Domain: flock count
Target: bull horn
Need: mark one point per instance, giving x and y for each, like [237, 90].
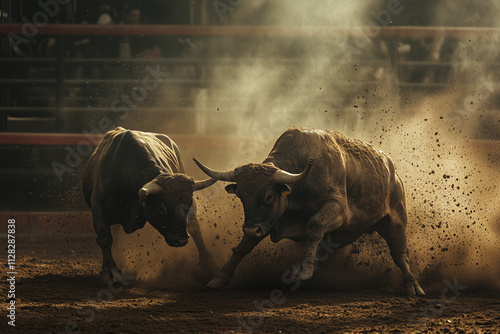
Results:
[282, 176]
[199, 185]
[150, 188]
[218, 175]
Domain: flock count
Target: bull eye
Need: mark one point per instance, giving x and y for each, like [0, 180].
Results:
[268, 198]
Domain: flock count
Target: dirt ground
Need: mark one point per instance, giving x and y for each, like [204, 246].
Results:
[59, 291]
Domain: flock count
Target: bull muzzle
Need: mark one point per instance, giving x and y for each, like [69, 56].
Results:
[176, 242]
[181, 243]
[254, 232]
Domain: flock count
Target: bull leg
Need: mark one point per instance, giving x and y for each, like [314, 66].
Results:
[328, 218]
[393, 229]
[206, 263]
[223, 277]
[102, 228]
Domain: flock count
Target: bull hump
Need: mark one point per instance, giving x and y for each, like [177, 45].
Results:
[133, 155]
[152, 148]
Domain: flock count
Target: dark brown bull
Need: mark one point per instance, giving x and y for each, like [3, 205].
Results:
[317, 184]
[133, 177]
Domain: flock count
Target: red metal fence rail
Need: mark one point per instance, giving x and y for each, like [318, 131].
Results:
[208, 30]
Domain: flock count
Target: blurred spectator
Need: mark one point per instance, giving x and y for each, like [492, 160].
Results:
[132, 15]
[106, 13]
[102, 13]
[137, 46]
[102, 47]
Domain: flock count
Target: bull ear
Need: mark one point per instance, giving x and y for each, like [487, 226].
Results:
[232, 189]
[285, 190]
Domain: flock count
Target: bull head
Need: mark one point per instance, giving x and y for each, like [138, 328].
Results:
[166, 201]
[263, 190]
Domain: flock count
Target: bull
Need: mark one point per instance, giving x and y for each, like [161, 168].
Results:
[318, 185]
[135, 177]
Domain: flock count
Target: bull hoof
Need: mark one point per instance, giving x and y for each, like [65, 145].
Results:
[413, 289]
[303, 271]
[220, 281]
[305, 275]
[111, 276]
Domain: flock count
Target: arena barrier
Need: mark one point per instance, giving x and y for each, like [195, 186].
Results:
[241, 31]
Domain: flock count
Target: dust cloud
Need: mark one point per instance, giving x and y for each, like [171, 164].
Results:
[441, 142]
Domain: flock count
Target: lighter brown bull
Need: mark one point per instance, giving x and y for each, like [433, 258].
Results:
[318, 184]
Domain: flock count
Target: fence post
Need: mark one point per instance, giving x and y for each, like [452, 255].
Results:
[60, 76]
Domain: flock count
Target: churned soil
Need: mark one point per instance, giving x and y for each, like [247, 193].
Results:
[58, 290]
